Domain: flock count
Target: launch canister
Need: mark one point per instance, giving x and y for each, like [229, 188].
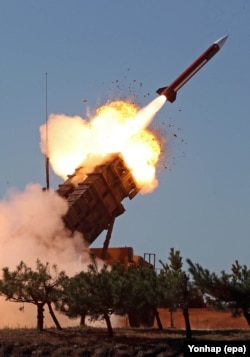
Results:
[170, 92]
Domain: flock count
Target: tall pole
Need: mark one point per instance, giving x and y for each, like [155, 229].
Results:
[47, 137]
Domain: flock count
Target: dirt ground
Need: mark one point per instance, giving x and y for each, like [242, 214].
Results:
[200, 319]
[205, 318]
[94, 342]
[127, 342]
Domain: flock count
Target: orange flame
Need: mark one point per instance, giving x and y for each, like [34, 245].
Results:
[116, 127]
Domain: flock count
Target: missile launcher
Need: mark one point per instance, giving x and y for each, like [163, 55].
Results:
[95, 201]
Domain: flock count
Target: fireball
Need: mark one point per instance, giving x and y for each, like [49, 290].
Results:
[117, 127]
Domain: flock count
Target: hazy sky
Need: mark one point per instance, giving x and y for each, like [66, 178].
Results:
[100, 50]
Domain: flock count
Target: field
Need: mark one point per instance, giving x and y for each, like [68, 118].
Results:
[81, 342]
[89, 341]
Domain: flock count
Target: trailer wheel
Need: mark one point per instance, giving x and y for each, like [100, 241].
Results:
[133, 318]
[146, 316]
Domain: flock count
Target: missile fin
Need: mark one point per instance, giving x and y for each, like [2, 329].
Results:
[171, 96]
[160, 90]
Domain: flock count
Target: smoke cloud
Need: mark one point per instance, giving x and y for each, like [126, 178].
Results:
[31, 228]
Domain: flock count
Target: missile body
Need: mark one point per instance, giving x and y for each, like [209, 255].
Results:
[170, 92]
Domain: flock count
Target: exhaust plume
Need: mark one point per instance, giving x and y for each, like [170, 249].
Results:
[116, 127]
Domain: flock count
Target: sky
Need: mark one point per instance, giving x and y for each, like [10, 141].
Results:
[95, 51]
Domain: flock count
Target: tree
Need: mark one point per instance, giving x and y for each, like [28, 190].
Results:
[144, 297]
[107, 292]
[75, 298]
[97, 292]
[231, 291]
[37, 287]
[178, 290]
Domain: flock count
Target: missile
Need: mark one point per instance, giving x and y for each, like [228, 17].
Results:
[170, 92]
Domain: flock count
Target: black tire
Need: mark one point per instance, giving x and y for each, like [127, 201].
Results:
[146, 316]
[133, 318]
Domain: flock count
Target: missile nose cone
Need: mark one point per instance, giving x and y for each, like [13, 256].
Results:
[220, 42]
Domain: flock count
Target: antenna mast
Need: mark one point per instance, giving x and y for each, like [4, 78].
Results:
[47, 138]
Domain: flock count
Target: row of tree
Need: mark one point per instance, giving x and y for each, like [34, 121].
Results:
[99, 293]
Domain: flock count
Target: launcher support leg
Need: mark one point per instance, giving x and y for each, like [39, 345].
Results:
[107, 239]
